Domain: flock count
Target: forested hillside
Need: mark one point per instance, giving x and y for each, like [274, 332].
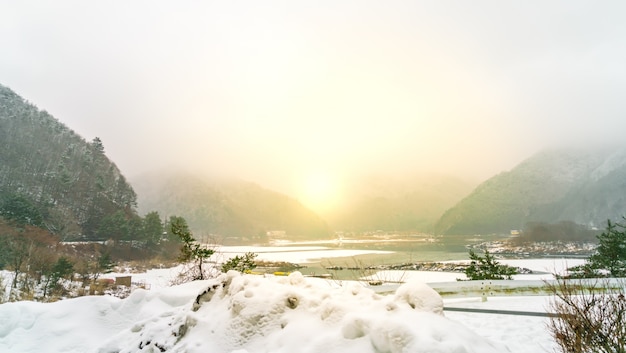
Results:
[52, 178]
[584, 186]
[227, 208]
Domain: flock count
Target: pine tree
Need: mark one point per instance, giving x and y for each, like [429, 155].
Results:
[243, 264]
[152, 228]
[105, 264]
[487, 268]
[62, 268]
[611, 252]
[190, 251]
[97, 145]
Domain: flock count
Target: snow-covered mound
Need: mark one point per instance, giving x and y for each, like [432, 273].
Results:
[242, 314]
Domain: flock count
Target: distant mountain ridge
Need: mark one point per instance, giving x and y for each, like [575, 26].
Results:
[587, 186]
[409, 203]
[227, 208]
[53, 178]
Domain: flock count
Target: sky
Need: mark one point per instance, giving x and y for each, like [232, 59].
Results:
[303, 97]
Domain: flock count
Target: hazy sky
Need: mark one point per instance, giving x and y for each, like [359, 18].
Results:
[299, 96]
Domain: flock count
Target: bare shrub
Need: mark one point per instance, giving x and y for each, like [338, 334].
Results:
[2, 289]
[591, 316]
[370, 274]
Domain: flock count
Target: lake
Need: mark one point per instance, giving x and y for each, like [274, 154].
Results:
[362, 252]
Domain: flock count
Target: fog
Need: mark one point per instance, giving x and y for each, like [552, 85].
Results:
[303, 95]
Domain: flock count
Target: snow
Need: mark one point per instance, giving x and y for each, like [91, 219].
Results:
[243, 314]
[248, 313]
[522, 334]
[549, 266]
[543, 269]
[423, 276]
[253, 313]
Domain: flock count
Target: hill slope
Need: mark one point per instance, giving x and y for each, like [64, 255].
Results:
[393, 204]
[51, 177]
[584, 186]
[227, 208]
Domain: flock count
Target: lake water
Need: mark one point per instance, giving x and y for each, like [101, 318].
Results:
[362, 252]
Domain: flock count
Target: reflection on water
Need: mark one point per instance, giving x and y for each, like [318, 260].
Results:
[419, 248]
[404, 249]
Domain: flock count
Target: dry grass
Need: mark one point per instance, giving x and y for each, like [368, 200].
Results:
[591, 316]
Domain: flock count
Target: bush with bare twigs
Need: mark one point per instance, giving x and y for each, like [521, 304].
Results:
[591, 316]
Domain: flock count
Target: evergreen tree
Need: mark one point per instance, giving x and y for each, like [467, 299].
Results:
[190, 250]
[487, 268]
[611, 252]
[20, 210]
[63, 268]
[114, 226]
[135, 228]
[152, 228]
[243, 264]
[104, 265]
[97, 145]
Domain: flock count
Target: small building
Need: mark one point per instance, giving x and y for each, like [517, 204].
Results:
[276, 233]
[123, 281]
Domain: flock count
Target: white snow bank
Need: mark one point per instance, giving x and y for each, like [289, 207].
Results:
[243, 314]
[544, 270]
[421, 276]
[551, 266]
[522, 334]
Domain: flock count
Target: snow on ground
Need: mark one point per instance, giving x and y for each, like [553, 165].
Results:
[549, 265]
[159, 278]
[243, 314]
[545, 265]
[249, 314]
[308, 254]
[544, 269]
[151, 279]
[522, 334]
[422, 276]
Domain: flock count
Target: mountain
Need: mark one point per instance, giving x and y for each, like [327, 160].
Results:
[586, 186]
[226, 208]
[53, 178]
[409, 203]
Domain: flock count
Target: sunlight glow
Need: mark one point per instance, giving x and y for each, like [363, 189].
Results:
[320, 191]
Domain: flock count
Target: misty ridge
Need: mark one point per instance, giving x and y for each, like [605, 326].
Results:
[243, 209]
[583, 186]
[71, 188]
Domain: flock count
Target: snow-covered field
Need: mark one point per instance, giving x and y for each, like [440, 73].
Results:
[275, 314]
[271, 314]
[521, 334]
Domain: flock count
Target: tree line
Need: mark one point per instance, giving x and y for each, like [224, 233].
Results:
[35, 256]
[43, 267]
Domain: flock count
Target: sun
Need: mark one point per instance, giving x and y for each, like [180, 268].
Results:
[320, 191]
